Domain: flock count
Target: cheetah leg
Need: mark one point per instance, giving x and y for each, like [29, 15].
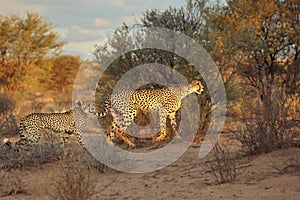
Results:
[119, 127]
[78, 134]
[29, 138]
[112, 133]
[162, 121]
[123, 137]
[172, 117]
[128, 117]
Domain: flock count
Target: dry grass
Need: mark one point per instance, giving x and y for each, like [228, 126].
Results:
[266, 127]
[20, 157]
[223, 165]
[8, 121]
[73, 180]
[12, 183]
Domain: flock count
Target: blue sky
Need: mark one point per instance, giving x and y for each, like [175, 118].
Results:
[85, 23]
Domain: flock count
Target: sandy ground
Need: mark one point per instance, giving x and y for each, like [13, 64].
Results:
[187, 178]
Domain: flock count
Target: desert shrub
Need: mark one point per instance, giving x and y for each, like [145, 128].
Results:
[266, 127]
[74, 180]
[223, 165]
[15, 157]
[12, 182]
[87, 159]
[8, 122]
[96, 164]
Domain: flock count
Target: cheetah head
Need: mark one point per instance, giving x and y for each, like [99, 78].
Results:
[87, 106]
[197, 86]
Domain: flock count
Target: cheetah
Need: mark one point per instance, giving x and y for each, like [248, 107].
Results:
[167, 101]
[70, 122]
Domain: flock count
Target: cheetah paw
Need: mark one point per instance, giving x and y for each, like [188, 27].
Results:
[131, 144]
[159, 138]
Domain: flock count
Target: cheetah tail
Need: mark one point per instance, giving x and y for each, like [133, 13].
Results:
[6, 142]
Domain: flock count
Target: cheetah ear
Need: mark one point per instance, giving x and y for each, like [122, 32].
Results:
[78, 102]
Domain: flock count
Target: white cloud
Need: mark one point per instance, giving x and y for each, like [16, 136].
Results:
[80, 48]
[78, 34]
[63, 32]
[18, 7]
[98, 22]
[117, 3]
[122, 4]
[131, 20]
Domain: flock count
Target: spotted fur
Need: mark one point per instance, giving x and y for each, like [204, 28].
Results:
[67, 123]
[166, 101]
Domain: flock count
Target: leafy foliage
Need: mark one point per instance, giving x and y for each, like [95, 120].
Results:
[259, 42]
[189, 20]
[63, 72]
[24, 42]
[261, 39]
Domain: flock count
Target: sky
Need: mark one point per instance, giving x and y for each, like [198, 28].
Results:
[85, 23]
